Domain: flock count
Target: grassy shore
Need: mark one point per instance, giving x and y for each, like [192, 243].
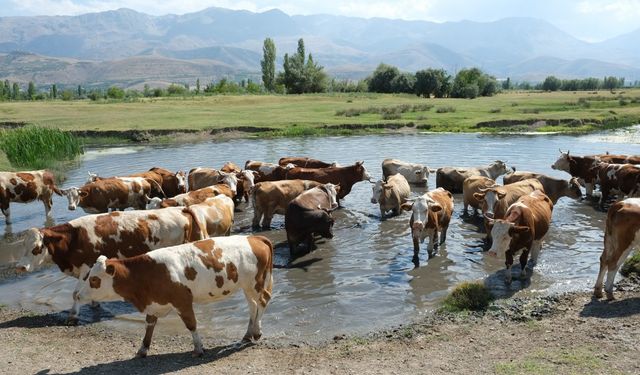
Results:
[339, 113]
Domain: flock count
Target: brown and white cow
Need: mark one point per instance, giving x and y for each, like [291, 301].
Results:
[191, 198]
[414, 173]
[75, 246]
[272, 197]
[174, 278]
[621, 238]
[230, 167]
[555, 188]
[621, 179]
[25, 187]
[305, 162]
[199, 178]
[390, 195]
[246, 180]
[581, 167]
[497, 199]
[345, 177]
[452, 178]
[309, 214]
[430, 217]
[116, 193]
[215, 215]
[472, 185]
[268, 171]
[167, 184]
[523, 229]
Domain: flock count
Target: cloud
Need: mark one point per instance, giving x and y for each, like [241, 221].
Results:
[620, 9]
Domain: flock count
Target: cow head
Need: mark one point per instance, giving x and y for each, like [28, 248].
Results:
[154, 203]
[74, 196]
[332, 191]
[420, 208]
[92, 177]
[230, 180]
[98, 284]
[422, 173]
[181, 177]
[574, 189]
[376, 191]
[497, 168]
[247, 178]
[325, 225]
[489, 196]
[563, 162]
[364, 175]
[36, 253]
[503, 232]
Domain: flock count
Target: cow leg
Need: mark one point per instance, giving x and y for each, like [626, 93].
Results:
[523, 263]
[433, 243]
[588, 186]
[75, 308]
[465, 211]
[416, 251]
[597, 289]
[47, 202]
[252, 329]
[605, 194]
[257, 214]
[508, 262]
[536, 246]
[614, 266]
[382, 212]
[443, 234]
[189, 319]
[146, 342]
[7, 214]
[268, 216]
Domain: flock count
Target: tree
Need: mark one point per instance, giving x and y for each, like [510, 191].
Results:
[470, 83]
[31, 91]
[79, 91]
[197, 86]
[115, 92]
[404, 83]
[434, 82]
[551, 83]
[315, 77]
[268, 64]
[67, 95]
[54, 91]
[380, 80]
[15, 92]
[7, 89]
[301, 75]
[506, 85]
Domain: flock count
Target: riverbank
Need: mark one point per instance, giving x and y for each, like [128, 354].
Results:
[536, 335]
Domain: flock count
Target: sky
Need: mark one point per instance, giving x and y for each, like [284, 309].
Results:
[590, 20]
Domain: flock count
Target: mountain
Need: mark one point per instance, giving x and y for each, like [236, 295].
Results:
[130, 47]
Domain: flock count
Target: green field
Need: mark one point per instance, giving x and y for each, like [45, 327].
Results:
[603, 108]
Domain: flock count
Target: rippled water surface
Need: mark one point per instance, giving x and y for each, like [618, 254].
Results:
[363, 279]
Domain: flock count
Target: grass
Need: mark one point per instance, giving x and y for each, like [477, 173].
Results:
[581, 360]
[281, 112]
[37, 147]
[631, 265]
[468, 296]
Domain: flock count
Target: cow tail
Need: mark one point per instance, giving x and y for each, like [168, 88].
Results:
[265, 294]
[157, 186]
[197, 231]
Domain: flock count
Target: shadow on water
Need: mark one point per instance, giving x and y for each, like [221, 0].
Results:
[161, 363]
[604, 309]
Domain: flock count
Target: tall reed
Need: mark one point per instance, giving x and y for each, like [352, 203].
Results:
[38, 147]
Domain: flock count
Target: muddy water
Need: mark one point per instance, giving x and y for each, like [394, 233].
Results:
[363, 279]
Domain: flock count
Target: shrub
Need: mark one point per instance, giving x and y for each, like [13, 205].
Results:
[445, 109]
[495, 110]
[468, 296]
[391, 116]
[38, 147]
[631, 265]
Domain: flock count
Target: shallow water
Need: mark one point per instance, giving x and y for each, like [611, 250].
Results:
[362, 279]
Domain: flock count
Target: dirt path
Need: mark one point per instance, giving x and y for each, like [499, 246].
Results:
[562, 335]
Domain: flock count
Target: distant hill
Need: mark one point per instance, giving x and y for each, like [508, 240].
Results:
[130, 47]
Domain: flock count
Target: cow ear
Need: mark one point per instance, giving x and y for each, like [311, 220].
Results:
[408, 206]
[518, 229]
[83, 193]
[435, 207]
[501, 194]
[360, 162]
[111, 269]
[479, 196]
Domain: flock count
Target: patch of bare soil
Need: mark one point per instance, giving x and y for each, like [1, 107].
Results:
[562, 334]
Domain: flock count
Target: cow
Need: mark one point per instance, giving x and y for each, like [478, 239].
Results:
[215, 215]
[390, 195]
[116, 193]
[621, 238]
[309, 214]
[230, 167]
[25, 187]
[74, 246]
[452, 178]
[345, 177]
[167, 184]
[413, 172]
[272, 197]
[524, 227]
[174, 278]
[581, 167]
[472, 185]
[305, 162]
[497, 199]
[430, 217]
[199, 178]
[190, 198]
[622, 179]
[268, 171]
[246, 180]
[555, 188]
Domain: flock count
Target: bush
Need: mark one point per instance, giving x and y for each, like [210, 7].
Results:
[38, 147]
[468, 296]
[631, 265]
[495, 110]
[391, 116]
[115, 92]
[445, 109]
[67, 95]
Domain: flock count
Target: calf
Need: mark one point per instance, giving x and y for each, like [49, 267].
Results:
[305, 162]
[555, 188]
[430, 216]
[190, 198]
[75, 246]
[413, 172]
[471, 186]
[309, 214]
[273, 197]
[345, 177]
[199, 178]
[622, 179]
[621, 238]
[390, 195]
[524, 227]
[174, 278]
[25, 187]
[452, 178]
[110, 193]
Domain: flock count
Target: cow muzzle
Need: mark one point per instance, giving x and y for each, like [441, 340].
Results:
[72, 208]
[22, 268]
[374, 201]
[417, 227]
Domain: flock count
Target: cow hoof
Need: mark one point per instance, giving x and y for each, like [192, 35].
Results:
[72, 320]
[597, 292]
[256, 336]
[197, 353]
[610, 296]
[142, 353]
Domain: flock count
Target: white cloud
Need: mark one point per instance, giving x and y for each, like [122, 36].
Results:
[620, 9]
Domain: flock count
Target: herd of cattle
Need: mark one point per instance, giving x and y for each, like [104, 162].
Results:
[175, 249]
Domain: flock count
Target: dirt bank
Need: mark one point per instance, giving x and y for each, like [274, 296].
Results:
[564, 334]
